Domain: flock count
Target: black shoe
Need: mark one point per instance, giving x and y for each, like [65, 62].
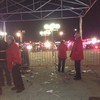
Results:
[76, 78]
[13, 88]
[19, 90]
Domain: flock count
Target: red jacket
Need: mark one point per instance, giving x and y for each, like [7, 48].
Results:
[62, 48]
[13, 55]
[77, 50]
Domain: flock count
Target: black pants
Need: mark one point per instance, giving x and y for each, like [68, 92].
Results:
[61, 64]
[78, 68]
[4, 69]
[17, 79]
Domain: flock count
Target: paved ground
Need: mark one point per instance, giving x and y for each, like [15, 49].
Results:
[45, 83]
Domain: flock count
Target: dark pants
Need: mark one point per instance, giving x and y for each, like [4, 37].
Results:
[61, 64]
[78, 68]
[3, 68]
[17, 79]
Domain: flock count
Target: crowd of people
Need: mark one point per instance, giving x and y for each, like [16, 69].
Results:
[10, 61]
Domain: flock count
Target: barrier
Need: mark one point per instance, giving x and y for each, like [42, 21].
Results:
[47, 58]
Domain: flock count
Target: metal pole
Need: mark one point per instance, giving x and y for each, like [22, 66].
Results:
[4, 29]
[80, 23]
[52, 44]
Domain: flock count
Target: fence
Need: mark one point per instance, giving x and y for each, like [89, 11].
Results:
[49, 58]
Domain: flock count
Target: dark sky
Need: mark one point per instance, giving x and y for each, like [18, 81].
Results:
[91, 26]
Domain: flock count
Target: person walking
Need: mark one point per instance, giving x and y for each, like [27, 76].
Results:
[77, 55]
[3, 64]
[62, 55]
[14, 63]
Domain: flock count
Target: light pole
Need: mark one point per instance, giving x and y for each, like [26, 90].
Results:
[52, 27]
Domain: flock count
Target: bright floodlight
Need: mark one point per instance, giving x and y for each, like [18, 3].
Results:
[3, 33]
[29, 47]
[45, 33]
[41, 33]
[47, 44]
[61, 33]
[18, 34]
[48, 33]
[94, 40]
[52, 26]
[75, 29]
[57, 26]
[46, 26]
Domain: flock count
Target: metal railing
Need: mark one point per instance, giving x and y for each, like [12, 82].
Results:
[47, 58]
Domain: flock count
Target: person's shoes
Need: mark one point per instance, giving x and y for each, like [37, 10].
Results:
[13, 88]
[19, 90]
[76, 78]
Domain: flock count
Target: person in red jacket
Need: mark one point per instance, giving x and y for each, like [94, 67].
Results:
[14, 63]
[77, 55]
[62, 55]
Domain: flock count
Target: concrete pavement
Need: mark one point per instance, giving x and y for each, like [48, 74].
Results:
[45, 83]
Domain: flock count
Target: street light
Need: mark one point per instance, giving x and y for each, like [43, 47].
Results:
[19, 35]
[45, 33]
[61, 33]
[75, 30]
[3, 34]
[52, 27]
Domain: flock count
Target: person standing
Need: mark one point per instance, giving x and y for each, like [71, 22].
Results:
[77, 55]
[62, 55]
[14, 63]
[3, 63]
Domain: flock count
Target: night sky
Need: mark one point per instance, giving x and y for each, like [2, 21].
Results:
[91, 26]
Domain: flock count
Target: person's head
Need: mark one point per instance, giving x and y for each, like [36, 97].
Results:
[10, 39]
[77, 35]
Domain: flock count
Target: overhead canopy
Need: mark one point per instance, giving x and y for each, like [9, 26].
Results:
[25, 10]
